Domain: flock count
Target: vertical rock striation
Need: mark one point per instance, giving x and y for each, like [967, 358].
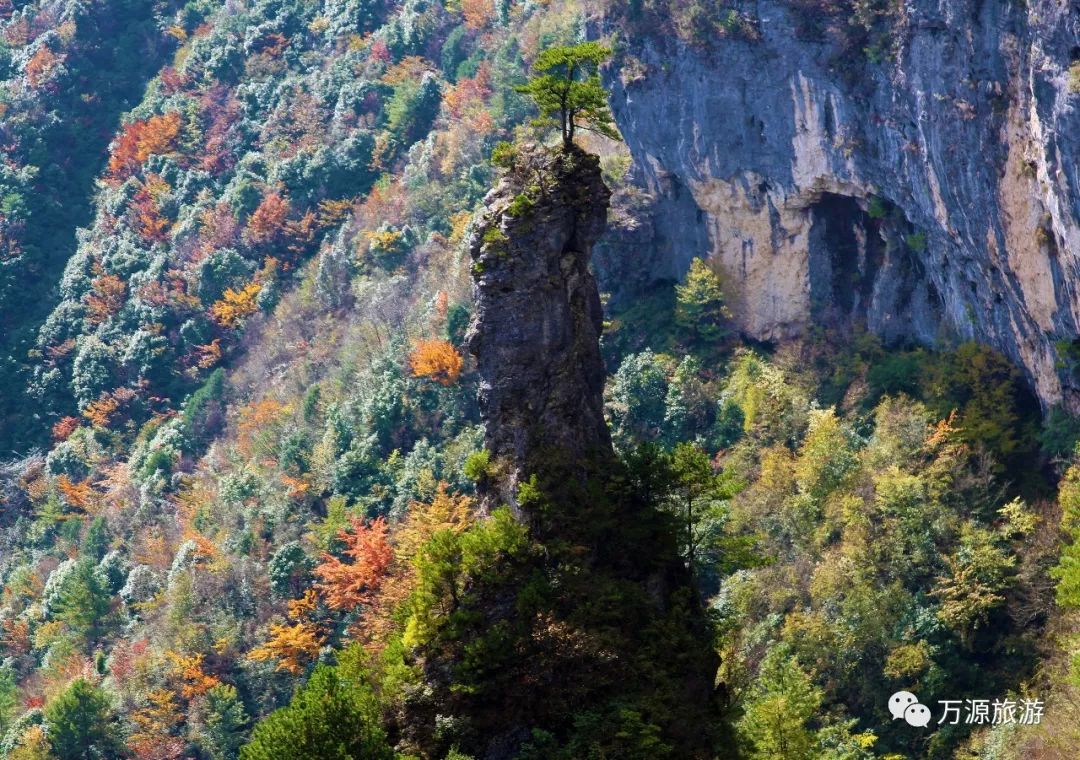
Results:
[538, 316]
[929, 191]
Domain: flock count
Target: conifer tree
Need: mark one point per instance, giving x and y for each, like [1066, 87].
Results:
[700, 306]
[568, 91]
[80, 723]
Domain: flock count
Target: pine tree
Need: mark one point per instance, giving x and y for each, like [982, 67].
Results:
[782, 702]
[695, 483]
[9, 697]
[700, 308]
[567, 86]
[226, 723]
[83, 601]
[334, 716]
[80, 725]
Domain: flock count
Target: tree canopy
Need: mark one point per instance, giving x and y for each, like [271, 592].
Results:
[568, 91]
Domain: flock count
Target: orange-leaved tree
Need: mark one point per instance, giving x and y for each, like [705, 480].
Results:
[268, 220]
[437, 360]
[105, 299]
[446, 511]
[100, 412]
[294, 646]
[346, 584]
[188, 669]
[154, 724]
[235, 305]
[141, 139]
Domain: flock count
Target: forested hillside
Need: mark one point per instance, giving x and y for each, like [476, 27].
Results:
[68, 73]
[412, 379]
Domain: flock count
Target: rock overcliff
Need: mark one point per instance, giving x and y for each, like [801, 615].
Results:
[538, 316]
[928, 189]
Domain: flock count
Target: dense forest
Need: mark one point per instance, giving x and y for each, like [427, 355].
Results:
[359, 399]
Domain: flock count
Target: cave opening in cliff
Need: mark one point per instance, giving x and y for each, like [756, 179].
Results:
[845, 251]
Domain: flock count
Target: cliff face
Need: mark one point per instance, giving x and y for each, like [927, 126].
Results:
[933, 195]
[538, 316]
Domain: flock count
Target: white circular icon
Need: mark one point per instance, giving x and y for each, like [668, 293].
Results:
[901, 701]
[917, 715]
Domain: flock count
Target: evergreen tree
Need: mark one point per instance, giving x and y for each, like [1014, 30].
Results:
[334, 716]
[636, 399]
[567, 86]
[700, 308]
[80, 723]
[784, 700]
[695, 483]
[83, 601]
[226, 723]
[96, 542]
[9, 698]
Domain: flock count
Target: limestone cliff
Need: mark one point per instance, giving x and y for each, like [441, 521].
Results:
[929, 189]
[538, 317]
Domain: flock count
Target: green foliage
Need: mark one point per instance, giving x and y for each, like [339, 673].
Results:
[18, 729]
[104, 57]
[568, 92]
[1067, 570]
[520, 206]
[839, 536]
[981, 571]
[779, 709]
[289, 571]
[83, 600]
[226, 723]
[700, 309]
[9, 698]
[694, 483]
[876, 208]
[920, 563]
[636, 398]
[477, 466]
[916, 241]
[504, 154]
[413, 108]
[457, 323]
[80, 723]
[449, 563]
[1060, 433]
[994, 410]
[96, 542]
[335, 716]
[202, 413]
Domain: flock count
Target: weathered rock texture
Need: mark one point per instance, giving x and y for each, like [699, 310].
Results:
[932, 196]
[538, 316]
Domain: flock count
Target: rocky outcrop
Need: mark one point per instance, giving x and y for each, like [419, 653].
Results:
[538, 316]
[931, 194]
